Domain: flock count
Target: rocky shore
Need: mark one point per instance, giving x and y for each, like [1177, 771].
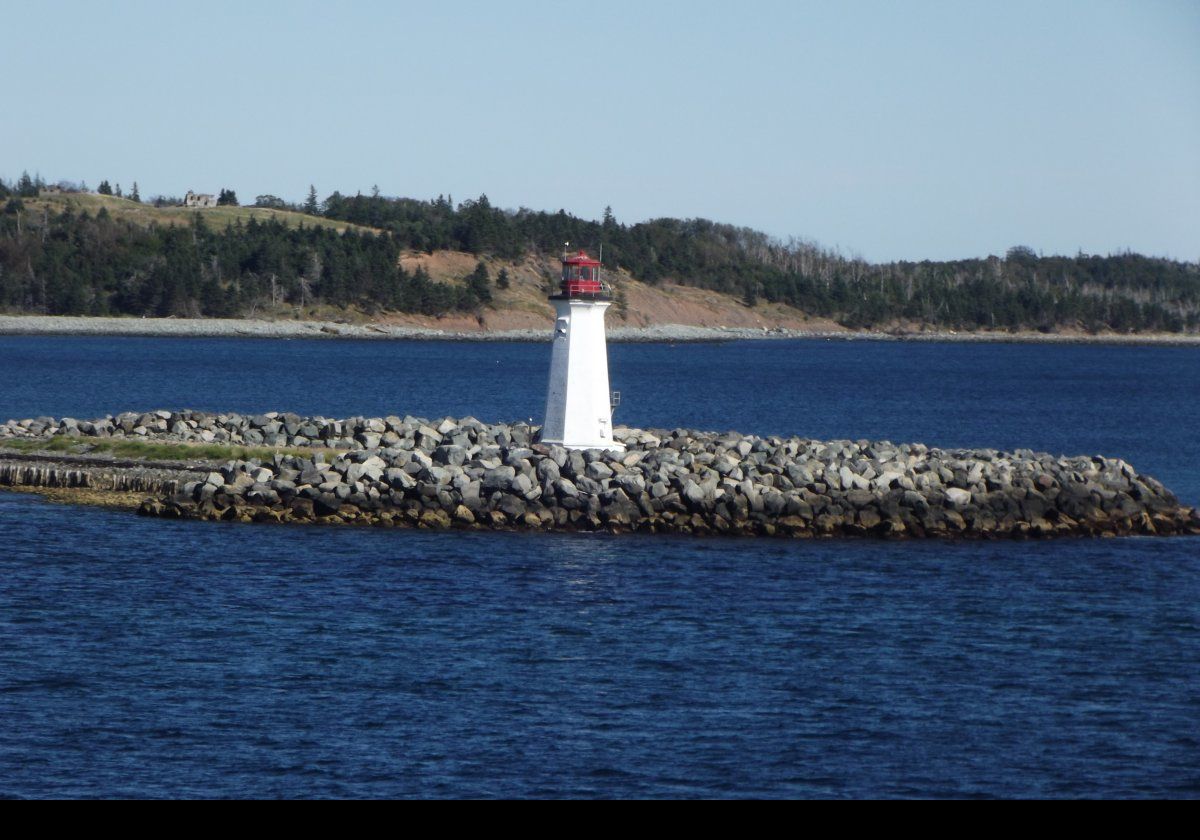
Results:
[258, 328]
[672, 333]
[463, 473]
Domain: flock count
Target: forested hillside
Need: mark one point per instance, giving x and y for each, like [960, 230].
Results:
[1020, 291]
[59, 260]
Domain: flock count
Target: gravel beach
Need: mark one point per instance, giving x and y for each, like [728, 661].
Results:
[255, 328]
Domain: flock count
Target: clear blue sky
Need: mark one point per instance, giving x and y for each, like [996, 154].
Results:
[888, 130]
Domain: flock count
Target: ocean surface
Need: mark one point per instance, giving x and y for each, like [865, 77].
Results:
[156, 658]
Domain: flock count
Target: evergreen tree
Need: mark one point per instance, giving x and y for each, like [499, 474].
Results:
[117, 191]
[25, 186]
[479, 283]
[133, 194]
[227, 198]
[310, 205]
[502, 279]
[104, 188]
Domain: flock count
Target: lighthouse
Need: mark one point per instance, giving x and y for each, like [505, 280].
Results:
[578, 402]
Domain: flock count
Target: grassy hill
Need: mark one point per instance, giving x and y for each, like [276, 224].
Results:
[524, 304]
[217, 218]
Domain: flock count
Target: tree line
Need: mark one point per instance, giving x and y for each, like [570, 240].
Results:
[75, 263]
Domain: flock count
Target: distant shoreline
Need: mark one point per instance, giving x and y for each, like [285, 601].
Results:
[64, 325]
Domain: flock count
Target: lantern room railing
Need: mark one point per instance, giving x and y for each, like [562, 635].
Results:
[579, 288]
[583, 282]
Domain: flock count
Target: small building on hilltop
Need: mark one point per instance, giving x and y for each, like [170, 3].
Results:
[199, 200]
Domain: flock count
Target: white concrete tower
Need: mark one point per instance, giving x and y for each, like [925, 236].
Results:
[578, 402]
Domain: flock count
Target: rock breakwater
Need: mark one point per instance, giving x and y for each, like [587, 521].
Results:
[272, 429]
[462, 473]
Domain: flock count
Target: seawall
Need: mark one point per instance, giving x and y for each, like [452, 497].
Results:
[467, 474]
[99, 474]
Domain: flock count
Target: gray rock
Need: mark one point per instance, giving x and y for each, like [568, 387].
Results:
[958, 497]
[564, 487]
[547, 470]
[694, 494]
[499, 478]
[521, 484]
[450, 454]
[598, 471]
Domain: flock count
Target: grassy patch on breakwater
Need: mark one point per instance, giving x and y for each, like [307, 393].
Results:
[146, 450]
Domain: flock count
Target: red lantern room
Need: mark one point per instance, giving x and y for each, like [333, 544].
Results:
[581, 278]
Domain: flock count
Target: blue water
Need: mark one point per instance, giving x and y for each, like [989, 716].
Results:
[156, 658]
